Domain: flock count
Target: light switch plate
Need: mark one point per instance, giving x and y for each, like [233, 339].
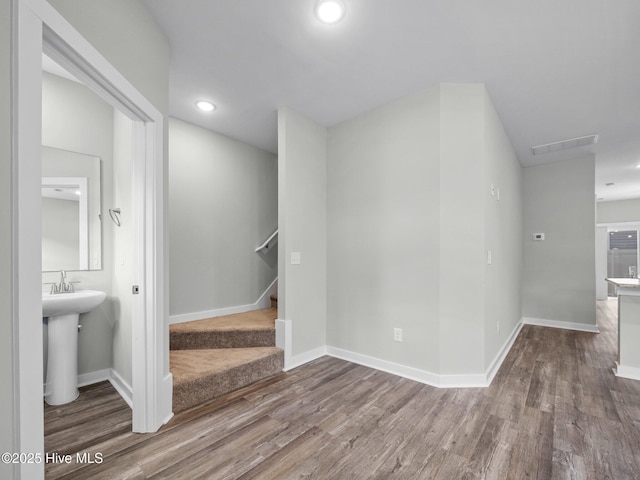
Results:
[397, 334]
[295, 258]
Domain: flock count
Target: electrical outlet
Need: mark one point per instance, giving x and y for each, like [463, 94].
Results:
[397, 335]
[489, 257]
[295, 258]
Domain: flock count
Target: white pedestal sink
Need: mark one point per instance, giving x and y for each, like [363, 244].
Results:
[63, 310]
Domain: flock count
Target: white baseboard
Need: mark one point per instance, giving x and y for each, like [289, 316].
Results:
[302, 358]
[627, 372]
[93, 377]
[283, 336]
[472, 380]
[542, 322]
[106, 374]
[126, 392]
[400, 370]
[122, 387]
[85, 379]
[263, 302]
[283, 340]
[166, 407]
[502, 354]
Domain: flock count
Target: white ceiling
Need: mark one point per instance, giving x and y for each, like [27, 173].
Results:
[554, 69]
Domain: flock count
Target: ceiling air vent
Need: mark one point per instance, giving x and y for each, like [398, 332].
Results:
[565, 144]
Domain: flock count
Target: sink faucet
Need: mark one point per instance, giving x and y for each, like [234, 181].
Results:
[63, 286]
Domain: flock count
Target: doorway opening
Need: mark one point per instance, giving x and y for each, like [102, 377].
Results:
[39, 29]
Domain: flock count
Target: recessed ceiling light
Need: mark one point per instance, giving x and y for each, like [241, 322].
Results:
[610, 184]
[330, 11]
[638, 165]
[205, 106]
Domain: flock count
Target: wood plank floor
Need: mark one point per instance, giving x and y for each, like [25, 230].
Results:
[554, 411]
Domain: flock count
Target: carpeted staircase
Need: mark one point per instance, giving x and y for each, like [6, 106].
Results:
[215, 356]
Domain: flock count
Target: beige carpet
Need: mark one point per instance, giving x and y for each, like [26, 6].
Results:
[201, 375]
[215, 356]
[250, 329]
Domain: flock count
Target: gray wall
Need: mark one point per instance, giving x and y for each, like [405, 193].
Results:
[126, 34]
[122, 265]
[503, 234]
[559, 272]
[410, 220]
[383, 198]
[618, 211]
[463, 190]
[302, 220]
[76, 119]
[223, 198]
[6, 272]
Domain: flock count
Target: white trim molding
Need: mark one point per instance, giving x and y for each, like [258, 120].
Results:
[398, 369]
[542, 322]
[85, 379]
[627, 372]
[97, 376]
[283, 341]
[293, 361]
[263, 302]
[472, 380]
[283, 336]
[502, 354]
[104, 375]
[121, 386]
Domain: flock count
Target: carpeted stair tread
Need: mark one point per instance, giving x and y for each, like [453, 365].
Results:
[241, 330]
[201, 375]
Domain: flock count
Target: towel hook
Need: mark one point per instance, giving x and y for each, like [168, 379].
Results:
[114, 213]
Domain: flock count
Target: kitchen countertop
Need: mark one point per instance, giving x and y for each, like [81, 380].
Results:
[624, 282]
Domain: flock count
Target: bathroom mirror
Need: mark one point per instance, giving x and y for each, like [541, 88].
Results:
[71, 220]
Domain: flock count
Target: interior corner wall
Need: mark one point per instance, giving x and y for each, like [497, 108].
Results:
[383, 213]
[503, 236]
[223, 198]
[302, 221]
[463, 188]
[6, 263]
[559, 272]
[618, 211]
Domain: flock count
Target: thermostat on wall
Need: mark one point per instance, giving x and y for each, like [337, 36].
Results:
[538, 236]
